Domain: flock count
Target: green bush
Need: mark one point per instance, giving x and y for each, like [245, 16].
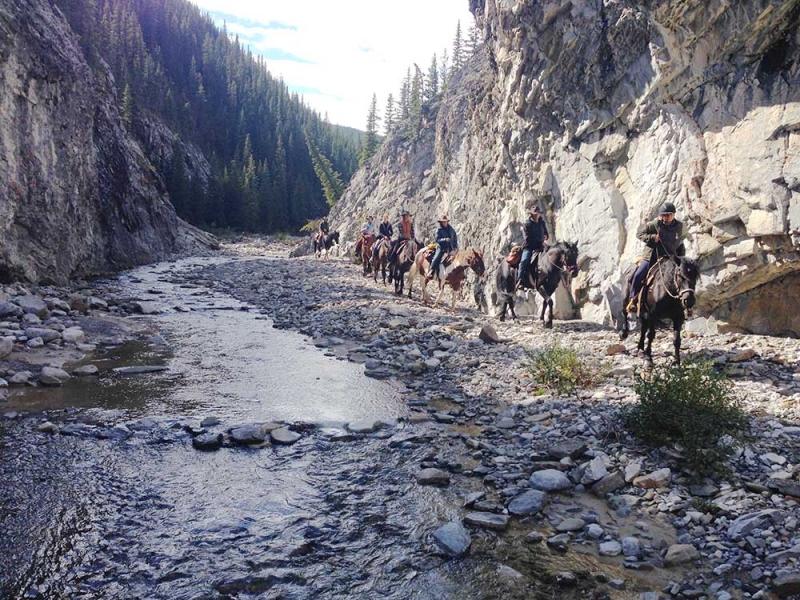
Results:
[562, 371]
[691, 407]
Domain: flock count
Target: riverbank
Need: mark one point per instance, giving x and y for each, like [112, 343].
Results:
[732, 538]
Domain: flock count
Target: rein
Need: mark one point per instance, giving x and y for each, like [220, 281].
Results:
[676, 279]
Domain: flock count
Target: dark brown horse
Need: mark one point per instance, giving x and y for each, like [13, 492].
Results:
[669, 294]
[323, 242]
[555, 265]
[367, 242]
[451, 274]
[380, 257]
[404, 260]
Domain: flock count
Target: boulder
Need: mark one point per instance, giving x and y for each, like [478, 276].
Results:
[284, 436]
[53, 376]
[453, 539]
[73, 335]
[47, 335]
[487, 520]
[678, 554]
[656, 479]
[529, 503]
[33, 305]
[433, 477]
[6, 346]
[207, 442]
[550, 480]
[489, 335]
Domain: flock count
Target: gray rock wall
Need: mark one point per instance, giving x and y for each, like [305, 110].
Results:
[602, 110]
[77, 196]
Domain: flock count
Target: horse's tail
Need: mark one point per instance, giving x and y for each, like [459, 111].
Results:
[412, 275]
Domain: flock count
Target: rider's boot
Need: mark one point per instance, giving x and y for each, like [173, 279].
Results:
[633, 305]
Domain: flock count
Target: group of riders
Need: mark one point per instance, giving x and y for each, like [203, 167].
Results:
[663, 236]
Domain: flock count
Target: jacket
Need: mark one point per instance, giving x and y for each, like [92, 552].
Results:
[386, 230]
[324, 227]
[447, 232]
[670, 238]
[534, 234]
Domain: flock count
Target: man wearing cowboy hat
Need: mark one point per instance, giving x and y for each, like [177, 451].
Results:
[405, 233]
[664, 236]
[367, 228]
[446, 241]
[535, 237]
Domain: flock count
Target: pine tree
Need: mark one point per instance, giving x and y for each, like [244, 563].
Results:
[432, 81]
[405, 97]
[370, 142]
[330, 180]
[444, 71]
[178, 181]
[473, 40]
[458, 50]
[127, 108]
[415, 103]
[388, 118]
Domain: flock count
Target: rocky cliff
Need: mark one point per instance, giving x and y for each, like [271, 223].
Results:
[601, 110]
[77, 195]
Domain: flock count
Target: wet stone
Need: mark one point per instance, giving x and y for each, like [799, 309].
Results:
[248, 434]
[47, 335]
[140, 370]
[284, 436]
[529, 503]
[364, 426]
[86, 370]
[210, 422]
[48, 427]
[487, 520]
[453, 539]
[550, 480]
[433, 476]
[53, 376]
[207, 442]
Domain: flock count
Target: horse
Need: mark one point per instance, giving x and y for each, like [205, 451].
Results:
[403, 261]
[451, 274]
[668, 294]
[367, 242]
[380, 257]
[325, 242]
[556, 264]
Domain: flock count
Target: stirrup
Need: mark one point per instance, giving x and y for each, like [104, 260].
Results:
[633, 305]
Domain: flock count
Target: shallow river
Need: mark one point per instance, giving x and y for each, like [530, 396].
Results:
[146, 516]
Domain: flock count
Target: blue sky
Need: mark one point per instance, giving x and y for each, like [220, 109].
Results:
[337, 53]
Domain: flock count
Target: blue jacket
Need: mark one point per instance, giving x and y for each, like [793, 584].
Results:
[534, 234]
[446, 232]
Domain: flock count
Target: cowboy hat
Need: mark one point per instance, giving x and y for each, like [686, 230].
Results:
[444, 218]
[404, 213]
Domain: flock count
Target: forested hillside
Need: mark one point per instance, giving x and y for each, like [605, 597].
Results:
[172, 63]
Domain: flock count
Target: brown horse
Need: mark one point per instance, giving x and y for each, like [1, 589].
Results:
[367, 242]
[451, 274]
[403, 261]
[380, 257]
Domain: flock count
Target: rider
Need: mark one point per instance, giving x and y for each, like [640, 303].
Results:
[446, 241]
[367, 228]
[324, 228]
[664, 236]
[405, 233]
[535, 237]
[385, 230]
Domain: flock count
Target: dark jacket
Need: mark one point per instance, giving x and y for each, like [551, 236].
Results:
[400, 232]
[446, 232]
[324, 227]
[670, 238]
[534, 234]
[386, 230]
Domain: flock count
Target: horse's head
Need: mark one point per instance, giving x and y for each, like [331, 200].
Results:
[566, 259]
[476, 262]
[686, 276]
[571, 257]
[334, 237]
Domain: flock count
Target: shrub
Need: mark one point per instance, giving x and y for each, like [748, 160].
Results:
[562, 371]
[691, 407]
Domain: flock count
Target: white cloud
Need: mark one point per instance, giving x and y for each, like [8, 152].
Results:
[354, 48]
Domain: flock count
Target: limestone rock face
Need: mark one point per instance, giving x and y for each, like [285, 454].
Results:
[600, 112]
[77, 196]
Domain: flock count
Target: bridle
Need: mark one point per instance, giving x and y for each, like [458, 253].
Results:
[678, 276]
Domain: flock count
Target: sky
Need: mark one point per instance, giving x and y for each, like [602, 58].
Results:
[338, 53]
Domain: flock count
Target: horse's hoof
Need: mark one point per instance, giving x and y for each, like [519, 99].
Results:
[502, 319]
[548, 325]
[623, 335]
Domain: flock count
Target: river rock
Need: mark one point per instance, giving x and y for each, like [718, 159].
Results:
[609, 484]
[73, 335]
[146, 308]
[656, 479]
[34, 343]
[453, 539]
[742, 355]
[21, 378]
[610, 548]
[615, 349]
[284, 436]
[787, 584]
[248, 435]
[433, 476]
[140, 370]
[489, 335]
[594, 471]
[9, 309]
[53, 376]
[752, 521]
[631, 546]
[677, 554]
[529, 503]
[86, 370]
[33, 305]
[48, 335]
[210, 422]
[550, 480]
[364, 426]
[6, 346]
[48, 427]
[207, 442]
[487, 520]
[570, 524]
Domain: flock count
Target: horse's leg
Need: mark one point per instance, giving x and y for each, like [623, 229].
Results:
[644, 324]
[412, 274]
[623, 334]
[676, 340]
[503, 307]
[549, 323]
[511, 303]
[651, 335]
[544, 305]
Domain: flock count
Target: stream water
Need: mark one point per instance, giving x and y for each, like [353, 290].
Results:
[99, 515]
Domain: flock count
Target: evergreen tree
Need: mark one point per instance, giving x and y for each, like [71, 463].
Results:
[432, 81]
[370, 142]
[458, 50]
[415, 103]
[388, 118]
[330, 180]
[127, 108]
[473, 40]
[444, 71]
[405, 97]
[178, 181]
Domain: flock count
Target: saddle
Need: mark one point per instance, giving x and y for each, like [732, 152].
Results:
[430, 250]
[514, 255]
